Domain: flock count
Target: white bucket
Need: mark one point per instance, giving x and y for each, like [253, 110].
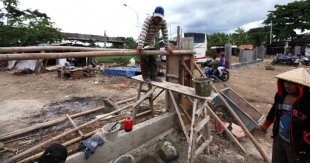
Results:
[111, 135]
[125, 159]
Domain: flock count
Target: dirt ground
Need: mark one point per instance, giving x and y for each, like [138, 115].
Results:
[30, 99]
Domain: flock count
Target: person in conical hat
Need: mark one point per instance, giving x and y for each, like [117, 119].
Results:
[290, 115]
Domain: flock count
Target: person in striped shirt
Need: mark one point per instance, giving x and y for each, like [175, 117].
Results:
[150, 28]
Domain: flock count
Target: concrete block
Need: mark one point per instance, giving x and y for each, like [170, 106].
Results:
[127, 141]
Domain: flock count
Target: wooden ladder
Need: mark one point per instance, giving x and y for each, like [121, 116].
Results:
[198, 132]
[148, 94]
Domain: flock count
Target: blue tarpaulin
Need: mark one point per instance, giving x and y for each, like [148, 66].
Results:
[122, 71]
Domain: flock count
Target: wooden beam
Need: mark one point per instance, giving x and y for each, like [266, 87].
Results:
[45, 124]
[146, 95]
[158, 94]
[229, 134]
[247, 132]
[192, 142]
[74, 125]
[199, 110]
[179, 115]
[33, 149]
[172, 76]
[187, 69]
[202, 123]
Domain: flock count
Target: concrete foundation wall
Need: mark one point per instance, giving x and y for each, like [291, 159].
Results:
[127, 141]
[238, 65]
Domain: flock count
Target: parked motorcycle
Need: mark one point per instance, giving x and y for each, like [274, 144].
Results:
[285, 60]
[305, 61]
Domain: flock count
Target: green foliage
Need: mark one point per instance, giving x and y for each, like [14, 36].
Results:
[240, 36]
[258, 35]
[286, 18]
[129, 43]
[27, 27]
[111, 59]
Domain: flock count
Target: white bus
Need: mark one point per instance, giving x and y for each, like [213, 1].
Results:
[200, 45]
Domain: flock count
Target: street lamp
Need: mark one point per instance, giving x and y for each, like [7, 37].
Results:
[137, 17]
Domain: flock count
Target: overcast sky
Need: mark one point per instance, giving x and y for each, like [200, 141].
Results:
[97, 16]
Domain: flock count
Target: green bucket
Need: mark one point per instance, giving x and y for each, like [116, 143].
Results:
[203, 86]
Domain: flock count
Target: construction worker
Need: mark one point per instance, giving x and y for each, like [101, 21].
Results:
[150, 28]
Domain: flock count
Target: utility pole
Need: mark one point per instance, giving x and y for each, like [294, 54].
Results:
[270, 33]
[137, 18]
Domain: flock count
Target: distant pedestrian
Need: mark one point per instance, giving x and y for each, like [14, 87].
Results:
[151, 26]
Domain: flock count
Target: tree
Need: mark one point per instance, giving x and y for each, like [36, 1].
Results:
[258, 35]
[240, 36]
[285, 19]
[27, 27]
[130, 43]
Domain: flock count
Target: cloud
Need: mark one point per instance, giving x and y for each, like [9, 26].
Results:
[97, 16]
[219, 16]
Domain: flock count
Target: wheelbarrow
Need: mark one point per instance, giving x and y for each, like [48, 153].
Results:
[249, 116]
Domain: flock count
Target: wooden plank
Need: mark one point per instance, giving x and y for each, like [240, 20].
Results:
[199, 137]
[179, 116]
[74, 125]
[158, 94]
[185, 112]
[201, 124]
[172, 76]
[202, 147]
[151, 104]
[188, 70]
[146, 95]
[189, 91]
[139, 90]
[229, 134]
[199, 110]
[172, 67]
[192, 142]
[187, 43]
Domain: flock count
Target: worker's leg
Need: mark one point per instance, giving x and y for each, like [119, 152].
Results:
[144, 62]
[153, 67]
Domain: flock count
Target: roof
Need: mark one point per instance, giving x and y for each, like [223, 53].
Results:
[87, 37]
[246, 47]
[300, 76]
[222, 47]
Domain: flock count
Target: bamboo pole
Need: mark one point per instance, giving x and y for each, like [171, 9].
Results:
[249, 135]
[74, 125]
[53, 48]
[45, 124]
[226, 129]
[16, 157]
[33, 56]
[247, 132]
[66, 144]
[127, 100]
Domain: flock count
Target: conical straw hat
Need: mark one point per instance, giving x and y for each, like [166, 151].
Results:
[300, 76]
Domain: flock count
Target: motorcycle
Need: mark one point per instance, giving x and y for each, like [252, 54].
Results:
[285, 60]
[305, 61]
[209, 73]
[207, 63]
